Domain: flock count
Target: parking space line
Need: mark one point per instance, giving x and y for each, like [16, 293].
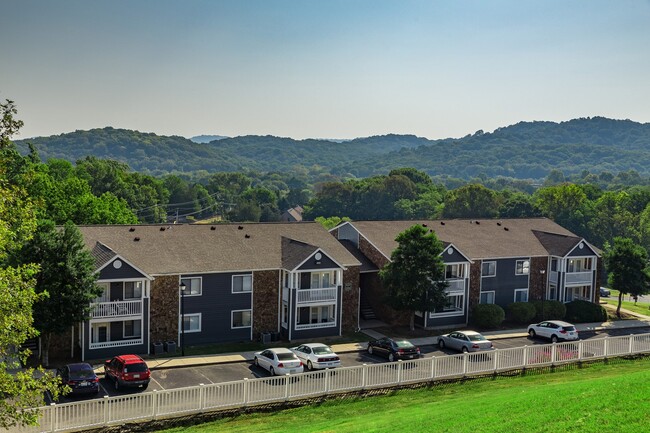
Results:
[153, 379]
[207, 378]
[105, 391]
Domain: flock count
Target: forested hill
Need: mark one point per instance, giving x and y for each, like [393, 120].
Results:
[523, 150]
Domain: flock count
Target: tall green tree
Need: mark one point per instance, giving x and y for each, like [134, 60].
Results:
[627, 266]
[415, 275]
[19, 389]
[67, 275]
[472, 201]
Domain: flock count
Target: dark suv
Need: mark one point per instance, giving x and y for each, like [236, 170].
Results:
[127, 371]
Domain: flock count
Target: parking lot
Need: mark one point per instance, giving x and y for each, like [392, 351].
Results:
[190, 376]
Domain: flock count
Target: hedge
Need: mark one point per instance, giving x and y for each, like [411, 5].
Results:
[488, 315]
[521, 312]
[585, 311]
[549, 310]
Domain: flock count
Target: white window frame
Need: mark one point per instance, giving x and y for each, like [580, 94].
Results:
[188, 287]
[232, 318]
[460, 267]
[320, 274]
[520, 290]
[333, 322]
[106, 294]
[495, 269]
[185, 316]
[548, 292]
[135, 284]
[242, 276]
[524, 270]
[451, 312]
[132, 335]
[494, 295]
[285, 315]
[94, 331]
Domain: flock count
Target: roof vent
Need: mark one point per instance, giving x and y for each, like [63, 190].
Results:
[442, 223]
[132, 229]
[506, 228]
[213, 228]
[162, 229]
[478, 222]
[499, 223]
[424, 225]
[240, 228]
[247, 236]
[136, 239]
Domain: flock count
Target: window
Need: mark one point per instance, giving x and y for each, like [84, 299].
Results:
[315, 314]
[132, 329]
[455, 306]
[579, 265]
[322, 280]
[241, 319]
[132, 289]
[552, 293]
[455, 271]
[100, 333]
[193, 286]
[522, 267]
[554, 265]
[489, 269]
[192, 322]
[577, 293]
[242, 283]
[521, 295]
[106, 294]
[487, 298]
[285, 314]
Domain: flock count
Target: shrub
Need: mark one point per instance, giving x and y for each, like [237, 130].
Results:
[521, 312]
[488, 315]
[585, 311]
[549, 310]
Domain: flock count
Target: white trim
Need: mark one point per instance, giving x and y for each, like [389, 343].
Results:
[593, 249]
[310, 325]
[191, 278]
[359, 235]
[124, 328]
[92, 333]
[124, 290]
[118, 256]
[495, 268]
[456, 249]
[232, 318]
[494, 296]
[451, 313]
[232, 284]
[522, 267]
[318, 250]
[190, 331]
[520, 290]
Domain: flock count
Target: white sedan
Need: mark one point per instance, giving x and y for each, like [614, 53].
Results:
[278, 360]
[317, 356]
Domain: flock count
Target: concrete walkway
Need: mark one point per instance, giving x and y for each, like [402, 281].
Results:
[187, 361]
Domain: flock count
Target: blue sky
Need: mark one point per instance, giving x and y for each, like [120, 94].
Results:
[335, 69]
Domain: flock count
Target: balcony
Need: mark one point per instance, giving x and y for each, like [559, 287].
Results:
[306, 296]
[116, 309]
[578, 277]
[456, 285]
[553, 277]
[118, 343]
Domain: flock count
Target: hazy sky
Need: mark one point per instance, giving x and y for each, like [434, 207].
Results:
[334, 69]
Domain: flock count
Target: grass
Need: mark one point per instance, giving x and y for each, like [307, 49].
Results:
[640, 307]
[600, 397]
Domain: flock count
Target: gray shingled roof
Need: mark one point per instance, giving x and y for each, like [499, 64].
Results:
[193, 248]
[477, 239]
[295, 252]
[102, 254]
[366, 264]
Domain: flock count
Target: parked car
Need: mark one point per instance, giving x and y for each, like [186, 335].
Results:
[554, 330]
[317, 356]
[393, 349]
[80, 377]
[127, 371]
[465, 341]
[604, 292]
[278, 360]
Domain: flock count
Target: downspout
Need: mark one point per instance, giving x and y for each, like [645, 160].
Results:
[359, 307]
[72, 342]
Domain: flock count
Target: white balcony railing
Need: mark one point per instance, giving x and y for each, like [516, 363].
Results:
[456, 285]
[118, 343]
[116, 309]
[285, 294]
[331, 324]
[553, 277]
[317, 295]
[578, 277]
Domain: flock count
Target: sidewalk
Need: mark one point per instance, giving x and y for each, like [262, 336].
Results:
[188, 361]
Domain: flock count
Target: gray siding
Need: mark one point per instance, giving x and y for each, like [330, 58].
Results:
[324, 263]
[215, 305]
[348, 232]
[456, 257]
[582, 252]
[505, 281]
[125, 271]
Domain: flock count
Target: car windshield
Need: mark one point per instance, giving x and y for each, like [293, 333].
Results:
[286, 356]
[403, 344]
[476, 337]
[82, 374]
[135, 368]
[324, 350]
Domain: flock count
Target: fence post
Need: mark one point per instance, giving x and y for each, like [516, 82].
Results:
[106, 416]
[399, 371]
[605, 345]
[631, 337]
[154, 403]
[246, 391]
[201, 396]
[553, 353]
[363, 376]
[465, 363]
[55, 417]
[327, 380]
[433, 367]
[495, 363]
[525, 363]
[580, 350]
[286, 387]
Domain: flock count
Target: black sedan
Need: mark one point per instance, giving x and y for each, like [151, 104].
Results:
[393, 349]
[80, 377]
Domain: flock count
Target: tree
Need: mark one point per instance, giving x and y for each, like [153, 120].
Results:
[471, 201]
[67, 275]
[23, 389]
[415, 275]
[627, 265]
[331, 222]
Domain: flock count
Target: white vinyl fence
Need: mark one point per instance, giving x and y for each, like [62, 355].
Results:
[250, 392]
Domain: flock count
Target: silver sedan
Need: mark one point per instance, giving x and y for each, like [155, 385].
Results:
[465, 341]
[317, 356]
[278, 360]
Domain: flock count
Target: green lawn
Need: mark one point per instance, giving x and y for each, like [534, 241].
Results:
[612, 397]
[640, 307]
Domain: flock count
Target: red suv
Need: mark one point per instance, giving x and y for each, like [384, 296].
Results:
[127, 371]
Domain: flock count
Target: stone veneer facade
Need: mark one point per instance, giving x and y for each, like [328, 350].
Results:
[350, 299]
[371, 252]
[537, 280]
[265, 301]
[164, 308]
[474, 285]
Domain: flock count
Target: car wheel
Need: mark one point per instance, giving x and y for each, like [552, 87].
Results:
[554, 338]
[441, 343]
[391, 357]
[309, 366]
[116, 384]
[370, 350]
[465, 349]
[256, 362]
[145, 386]
[272, 371]
[531, 333]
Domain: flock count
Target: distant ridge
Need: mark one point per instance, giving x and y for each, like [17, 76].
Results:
[526, 150]
[207, 138]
